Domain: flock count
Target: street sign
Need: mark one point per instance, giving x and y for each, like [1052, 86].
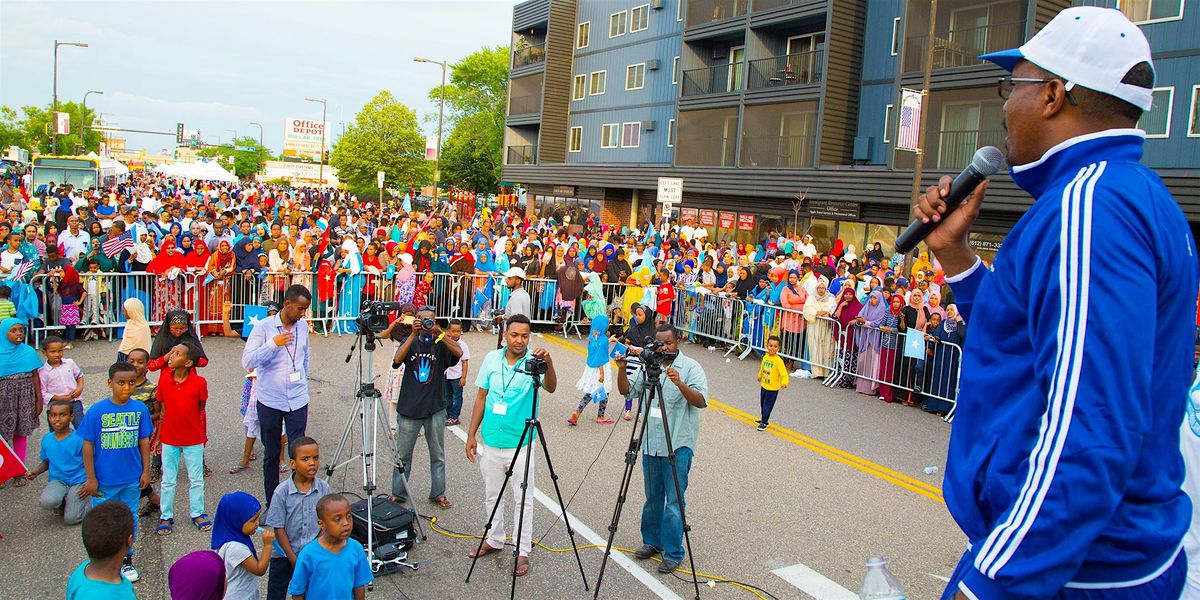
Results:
[244, 148]
[670, 190]
[62, 123]
[379, 179]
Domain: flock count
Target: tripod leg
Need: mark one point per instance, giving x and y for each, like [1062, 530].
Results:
[341, 445]
[636, 435]
[541, 437]
[672, 459]
[530, 424]
[487, 528]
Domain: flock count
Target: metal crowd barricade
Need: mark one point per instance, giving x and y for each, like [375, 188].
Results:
[935, 376]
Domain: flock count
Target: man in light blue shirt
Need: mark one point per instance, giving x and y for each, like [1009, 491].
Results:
[277, 350]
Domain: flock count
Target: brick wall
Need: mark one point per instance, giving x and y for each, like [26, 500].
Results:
[615, 213]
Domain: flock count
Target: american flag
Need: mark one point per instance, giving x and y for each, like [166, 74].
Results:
[21, 270]
[116, 245]
[910, 120]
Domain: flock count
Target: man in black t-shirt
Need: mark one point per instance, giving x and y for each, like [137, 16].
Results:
[425, 354]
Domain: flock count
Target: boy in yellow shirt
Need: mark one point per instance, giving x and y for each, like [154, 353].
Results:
[773, 376]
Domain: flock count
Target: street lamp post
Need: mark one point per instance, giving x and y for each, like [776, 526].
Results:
[83, 115]
[54, 117]
[437, 157]
[324, 110]
[234, 141]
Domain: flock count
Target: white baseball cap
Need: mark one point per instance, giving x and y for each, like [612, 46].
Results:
[515, 272]
[1088, 46]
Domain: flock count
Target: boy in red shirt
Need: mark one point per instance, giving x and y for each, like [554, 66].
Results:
[665, 296]
[182, 393]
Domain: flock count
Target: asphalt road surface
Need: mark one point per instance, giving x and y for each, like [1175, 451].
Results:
[795, 510]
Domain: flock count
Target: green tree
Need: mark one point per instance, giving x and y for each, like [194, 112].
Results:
[472, 153]
[12, 129]
[383, 137]
[245, 163]
[39, 121]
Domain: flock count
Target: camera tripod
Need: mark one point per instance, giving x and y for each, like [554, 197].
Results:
[370, 413]
[651, 390]
[532, 426]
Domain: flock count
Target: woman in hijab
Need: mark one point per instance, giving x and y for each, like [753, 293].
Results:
[406, 279]
[593, 289]
[20, 389]
[177, 328]
[941, 367]
[237, 516]
[350, 272]
[199, 575]
[549, 271]
[818, 310]
[373, 272]
[876, 253]
[915, 316]
[888, 354]
[168, 287]
[423, 261]
[136, 334]
[503, 262]
[638, 335]
[746, 283]
[934, 305]
[570, 287]
[846, 312]
[596, 382]
[722, 275]
[215, 284]
[792, 299]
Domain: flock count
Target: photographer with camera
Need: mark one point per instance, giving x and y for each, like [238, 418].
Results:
[683, 395]
[426, 354]
[504, 401]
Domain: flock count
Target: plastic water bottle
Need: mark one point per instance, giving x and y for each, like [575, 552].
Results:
[880, 584]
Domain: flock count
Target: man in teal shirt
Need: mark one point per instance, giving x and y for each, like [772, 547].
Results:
[505, 400]
[684, 393]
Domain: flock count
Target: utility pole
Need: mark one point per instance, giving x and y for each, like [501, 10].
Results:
[54, 117]
[925, 77]
[437, 157]
[324, 109]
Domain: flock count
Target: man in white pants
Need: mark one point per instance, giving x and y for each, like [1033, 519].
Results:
[505, 400]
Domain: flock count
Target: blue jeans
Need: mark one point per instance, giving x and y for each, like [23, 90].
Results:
[662, 522]
[435, 438]
[279, 577]
[129, 495]
[193, 458]
[453, 398]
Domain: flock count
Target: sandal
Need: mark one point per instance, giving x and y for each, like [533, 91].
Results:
[208, 472]
[483, 551]
[605, 421]
[201, 522]
[149, 509]
[522, 567]
[165, 526]
[20, 482]
[574, 420]
[443, 502]
[628, 415]
[234, 470]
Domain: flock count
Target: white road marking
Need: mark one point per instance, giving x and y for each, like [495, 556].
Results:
[939, 577]
[813, 583]
[651, 582]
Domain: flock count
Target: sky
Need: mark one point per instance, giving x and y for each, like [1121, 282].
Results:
[218, 66]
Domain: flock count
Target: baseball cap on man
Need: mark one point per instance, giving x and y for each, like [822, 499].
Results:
[515, 272]
[1087, 46]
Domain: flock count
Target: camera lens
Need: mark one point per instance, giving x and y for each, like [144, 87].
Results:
[427, 323]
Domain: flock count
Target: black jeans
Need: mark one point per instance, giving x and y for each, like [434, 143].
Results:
[278, 578]
[270, 427]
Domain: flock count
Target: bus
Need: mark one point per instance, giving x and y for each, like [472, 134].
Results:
[82, 172]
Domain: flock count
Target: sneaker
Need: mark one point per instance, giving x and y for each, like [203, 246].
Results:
[762, 426]
[668, 566]
[129, 572]
[646, 551]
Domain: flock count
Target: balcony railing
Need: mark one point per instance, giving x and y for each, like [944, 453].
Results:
[528, 55]
[794, 151]
[955, 148]
[760, 5]
[803, 68]
[706, 151]
[962, 47]
[525, 105]
[522, 155]
[714, 80]
[701, 12]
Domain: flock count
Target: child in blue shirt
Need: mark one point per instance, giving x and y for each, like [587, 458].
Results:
[335, 565]
[62, 455]
[116, 448]
[107, 537]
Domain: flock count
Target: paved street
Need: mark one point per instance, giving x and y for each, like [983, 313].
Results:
[839, 477]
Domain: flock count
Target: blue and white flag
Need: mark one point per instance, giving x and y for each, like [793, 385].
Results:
[253, 314]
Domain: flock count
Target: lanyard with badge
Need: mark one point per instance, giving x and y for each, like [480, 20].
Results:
[295, 376]
[500, 406]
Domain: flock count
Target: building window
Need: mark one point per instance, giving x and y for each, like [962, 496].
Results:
[599, 82]
[608, 135]
[679, 10]
[887, 124]
[895, 36]
[584, 36]
[1143, 11]
[617, 22]
[1194, 119]
[1157, 121]
[675, 71]
[639, 18]
[635, 76]
[576, 139]
[631, 135]
[671, 133]
[579, 87]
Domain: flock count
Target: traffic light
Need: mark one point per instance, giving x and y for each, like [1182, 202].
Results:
[178, 134]
[327, 154]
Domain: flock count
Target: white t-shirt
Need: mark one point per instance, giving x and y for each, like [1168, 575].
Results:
[9, 259]
[240, 583]
[455, 372]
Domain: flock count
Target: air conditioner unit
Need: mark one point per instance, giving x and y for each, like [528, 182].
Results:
[657, 4]
[649, 125]
[653, 64]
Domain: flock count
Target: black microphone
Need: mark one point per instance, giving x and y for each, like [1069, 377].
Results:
[987, 161]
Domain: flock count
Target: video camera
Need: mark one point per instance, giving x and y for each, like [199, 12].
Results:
[652, 353]
[373, 316]
[535, 366]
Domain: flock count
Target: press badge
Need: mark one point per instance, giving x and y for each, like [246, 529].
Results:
[294, 377]
[500, 408]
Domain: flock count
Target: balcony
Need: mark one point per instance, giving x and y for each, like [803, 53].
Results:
[522, 155]
[955, 148]
[528, 54]
[703, 12]
[719, 79]
[794, 151]
[761, 5]
[803, 68]
[962, 47]
[525, 105]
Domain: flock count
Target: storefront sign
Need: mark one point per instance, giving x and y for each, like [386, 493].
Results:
[564, 190]
[670, 190]
[727, 219]
[745, 222]
[688, 216]
[986, 245]
[708, 218]
[829, 209]
[303, 138]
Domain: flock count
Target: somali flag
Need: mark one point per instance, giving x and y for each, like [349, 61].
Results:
[483, 295]
[253, 314]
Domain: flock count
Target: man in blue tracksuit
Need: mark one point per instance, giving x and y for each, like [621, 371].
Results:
[1064, 467]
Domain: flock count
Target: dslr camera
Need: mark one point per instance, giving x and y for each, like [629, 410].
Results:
[535, 366]
[653, 354]
[373, 316]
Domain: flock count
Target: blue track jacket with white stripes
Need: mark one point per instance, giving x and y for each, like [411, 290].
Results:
[1064, 467]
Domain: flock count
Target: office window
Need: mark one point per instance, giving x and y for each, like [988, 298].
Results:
[639, 17]
[579, 87]
[635, 76]
[671, 133]
[584, 36]
[1194, 119]
[679, 10]
[617, 22]
[1141, 11]
[675, 71]
[895, 36]
[576, 139]
[608, 135]
[1157, 122]
[887, 124]
[631, 135]
[599, 82]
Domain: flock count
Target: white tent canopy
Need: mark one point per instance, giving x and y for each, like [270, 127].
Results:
[110, 162]
[204, 170]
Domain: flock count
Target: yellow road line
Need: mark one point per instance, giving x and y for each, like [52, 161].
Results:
[837, 454]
